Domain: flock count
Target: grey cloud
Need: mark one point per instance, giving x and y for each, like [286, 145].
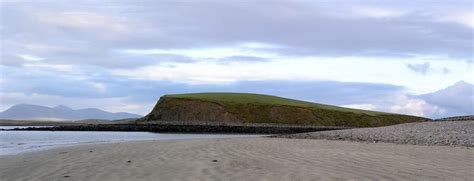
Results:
[148, 92]
[10, 60]
[242, 59]
[299, 27]
[457, 99]
[308, 30]
[446, 70]
[420, 68]
[117, 60]
[302, 28]
[330, 92]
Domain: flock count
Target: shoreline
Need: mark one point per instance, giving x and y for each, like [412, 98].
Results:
[81, 145]
[28, 142]
[189, 128]
[241, 159]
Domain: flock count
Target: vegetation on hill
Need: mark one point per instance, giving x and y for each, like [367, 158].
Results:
[256, 108]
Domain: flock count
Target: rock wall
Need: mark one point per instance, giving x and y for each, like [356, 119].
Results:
[168, 109]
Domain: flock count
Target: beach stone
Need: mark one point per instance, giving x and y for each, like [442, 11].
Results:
[447, 133]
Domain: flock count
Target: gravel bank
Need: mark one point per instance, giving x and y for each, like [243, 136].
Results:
[452, 133]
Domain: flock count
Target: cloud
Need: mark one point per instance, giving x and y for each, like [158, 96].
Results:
[466, 19]
[247, 49]
[83, 20]
[407, 104]
[330, 92]
[61, 67]
[135, 51]
[361, 106]
[446, 70]
[376, 12]
[454, 100]
[95, 84]
[345, 69]
[74, 89]
[242, 59]
[297, 27]
[100, 87]
[419, 68]
[29, 57]
[457, 99]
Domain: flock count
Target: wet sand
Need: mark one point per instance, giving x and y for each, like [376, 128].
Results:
[242, 159]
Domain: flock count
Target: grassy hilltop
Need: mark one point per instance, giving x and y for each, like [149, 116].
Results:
[256, 108]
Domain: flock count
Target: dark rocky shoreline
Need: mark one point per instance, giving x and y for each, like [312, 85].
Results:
[456, 118]
[189, 128]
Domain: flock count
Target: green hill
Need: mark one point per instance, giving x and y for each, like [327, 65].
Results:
[256, 108]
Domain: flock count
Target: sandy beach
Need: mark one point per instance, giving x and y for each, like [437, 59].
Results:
[242, 159]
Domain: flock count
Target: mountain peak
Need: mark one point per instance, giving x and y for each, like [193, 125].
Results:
[61, 112]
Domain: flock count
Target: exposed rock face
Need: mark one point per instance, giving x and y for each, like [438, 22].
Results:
[189, 110]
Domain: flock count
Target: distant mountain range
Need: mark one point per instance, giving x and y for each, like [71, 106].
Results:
[36, 112]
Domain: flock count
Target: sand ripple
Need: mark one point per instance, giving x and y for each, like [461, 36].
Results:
[242, 159]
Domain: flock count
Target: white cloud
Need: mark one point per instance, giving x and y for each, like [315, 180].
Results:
[60, 67]
[245, 49]
[466, 18]
[196, 73]
[376, 12]
[30, 57]
[403, 103]
[259, 45]
[361, 106]
[100, 87]
[413, 106]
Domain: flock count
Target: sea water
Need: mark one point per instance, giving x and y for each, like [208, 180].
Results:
[14, 142]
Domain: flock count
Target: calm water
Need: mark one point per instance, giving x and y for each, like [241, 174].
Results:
[14, 142]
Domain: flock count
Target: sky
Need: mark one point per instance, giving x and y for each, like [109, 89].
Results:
[412, 56]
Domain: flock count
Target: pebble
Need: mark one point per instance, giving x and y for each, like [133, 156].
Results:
[448, 133]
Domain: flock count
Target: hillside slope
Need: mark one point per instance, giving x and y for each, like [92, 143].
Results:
[255, 108]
